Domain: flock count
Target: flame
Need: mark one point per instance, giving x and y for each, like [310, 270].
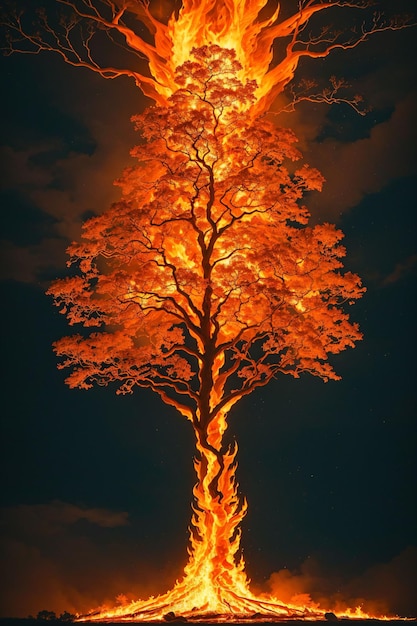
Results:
[233, 25]
[214, 585]
[230, 25]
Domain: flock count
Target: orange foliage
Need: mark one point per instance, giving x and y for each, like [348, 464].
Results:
[207, 253]
[205, 281]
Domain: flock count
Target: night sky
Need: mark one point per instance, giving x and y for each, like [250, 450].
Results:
[97, 487]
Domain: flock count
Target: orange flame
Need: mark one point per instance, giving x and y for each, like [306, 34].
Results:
[215, 585]
[233, 25]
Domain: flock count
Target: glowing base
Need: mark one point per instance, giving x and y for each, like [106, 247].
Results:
[185, 604]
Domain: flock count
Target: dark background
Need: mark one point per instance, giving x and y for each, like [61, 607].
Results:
[97, 488]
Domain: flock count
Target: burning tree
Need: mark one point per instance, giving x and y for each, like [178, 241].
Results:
[205, 280]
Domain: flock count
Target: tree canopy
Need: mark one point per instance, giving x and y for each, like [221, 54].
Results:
[205, 279]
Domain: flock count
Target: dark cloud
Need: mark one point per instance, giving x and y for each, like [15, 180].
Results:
[63, 190]
[33, 263]
[48, 518]
[355, 170]
[360, 155]
[401, 270]
[61, 153]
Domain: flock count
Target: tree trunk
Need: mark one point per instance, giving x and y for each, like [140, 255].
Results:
[218, 512]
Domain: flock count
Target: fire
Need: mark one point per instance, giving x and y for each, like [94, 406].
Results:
[232, 25]
[195, 252]
[215, 585]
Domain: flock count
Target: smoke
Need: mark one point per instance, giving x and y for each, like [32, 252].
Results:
[64, 557]
[383, 589]
[355, 170]
[54, 179]
[360, 156]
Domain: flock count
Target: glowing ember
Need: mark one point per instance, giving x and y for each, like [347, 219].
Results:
[205, 277]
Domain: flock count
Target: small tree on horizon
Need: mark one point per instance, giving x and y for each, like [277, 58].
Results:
[205, 280]
[46, 616]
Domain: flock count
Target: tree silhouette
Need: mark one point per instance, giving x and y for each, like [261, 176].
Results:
[46, 616]
[206, 281]
[67, 617]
